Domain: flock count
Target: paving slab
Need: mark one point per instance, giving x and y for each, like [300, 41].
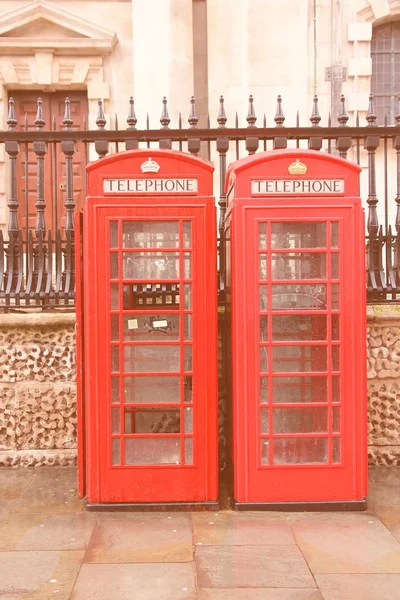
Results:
[363, 587]
[384, 493]
[5, 506]
[394, 530]
[363, 545]
[50, 492]
[45, 532]
[260, 594]
[135, 582]
[38, 575]
[240, 529]
[251, 567]
[149, 537]
[14, 481]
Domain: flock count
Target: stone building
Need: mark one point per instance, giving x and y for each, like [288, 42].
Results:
[111, 49]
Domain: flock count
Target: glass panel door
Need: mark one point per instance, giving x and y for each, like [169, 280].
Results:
[152, 412]
[299, 343]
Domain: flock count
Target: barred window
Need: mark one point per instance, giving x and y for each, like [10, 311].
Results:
[385, 85]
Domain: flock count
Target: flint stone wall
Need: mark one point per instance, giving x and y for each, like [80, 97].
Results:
[38, 389]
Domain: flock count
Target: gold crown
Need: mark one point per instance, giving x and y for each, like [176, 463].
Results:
[297, 168]
[150, 166]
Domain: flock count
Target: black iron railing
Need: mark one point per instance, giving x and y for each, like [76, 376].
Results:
[37, 262]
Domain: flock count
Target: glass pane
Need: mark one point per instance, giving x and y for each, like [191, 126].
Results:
[116, 451]
[296, 265]
[264, 420]
[335, 389]
[299, 358]
[187, 388]
[187, 295]
[335, 358]
[187, 234]
[149, 327]
[114, 296]
[335, 265]
[263, 359]
[263, 390]
[187, 354]
[300, 296]
[115, 359]
[299, 327]
[263, 328]
[188, 420]
[188, 451]
[113, 234]
[142, 359]
[262, 235]
[335, 296]
[335, 234]
[290, 234]
[152, 420]
[114, 265]
[263, 297]
[336, 419]
[152, 451]
[299, 389]
[187, 327]
[187, 265]
[300, 420]
[115, 390]
[150, 234]
[336, 450]
[151, 390]
[264, 452]
[151, 265]
[114, 328]
[263, 266]
[115, 420]
[289, 451]
[335, 327]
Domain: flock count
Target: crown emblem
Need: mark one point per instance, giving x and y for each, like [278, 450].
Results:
[150, 166]
[297, 168]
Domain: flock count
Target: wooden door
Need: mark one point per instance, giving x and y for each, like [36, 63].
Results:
[54, 179]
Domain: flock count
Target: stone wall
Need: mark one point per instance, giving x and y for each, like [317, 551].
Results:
[383, 337]
[38, 389]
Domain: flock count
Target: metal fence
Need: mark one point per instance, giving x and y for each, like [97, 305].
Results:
[37, 263]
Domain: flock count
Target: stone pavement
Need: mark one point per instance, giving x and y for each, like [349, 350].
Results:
[50, 548]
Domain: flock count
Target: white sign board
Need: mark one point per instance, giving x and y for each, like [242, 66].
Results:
[151, 185]
[266, 187]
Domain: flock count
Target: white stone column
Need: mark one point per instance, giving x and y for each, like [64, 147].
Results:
[162, 58]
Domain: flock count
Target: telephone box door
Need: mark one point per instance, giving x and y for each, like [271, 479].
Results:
[305, 443]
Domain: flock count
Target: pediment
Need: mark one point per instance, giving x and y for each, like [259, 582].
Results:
[41, 25]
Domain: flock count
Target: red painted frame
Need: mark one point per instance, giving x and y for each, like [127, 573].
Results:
[312, 482]
[149, 483]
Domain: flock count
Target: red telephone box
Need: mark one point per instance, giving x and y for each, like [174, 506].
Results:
[297, 306]
[149, 318]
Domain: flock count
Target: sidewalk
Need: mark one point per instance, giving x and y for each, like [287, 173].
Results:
[50, 548]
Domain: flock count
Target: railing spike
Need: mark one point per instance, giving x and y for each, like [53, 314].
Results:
[131, 119]
[165, 120]
[11, 120]
[279, 116]
[39, 121]
[101, 119]
[193, 119]
[315, 116]
[67, 121]
[221, 114]
[251, 115]
[371, 116]
[343, 116]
